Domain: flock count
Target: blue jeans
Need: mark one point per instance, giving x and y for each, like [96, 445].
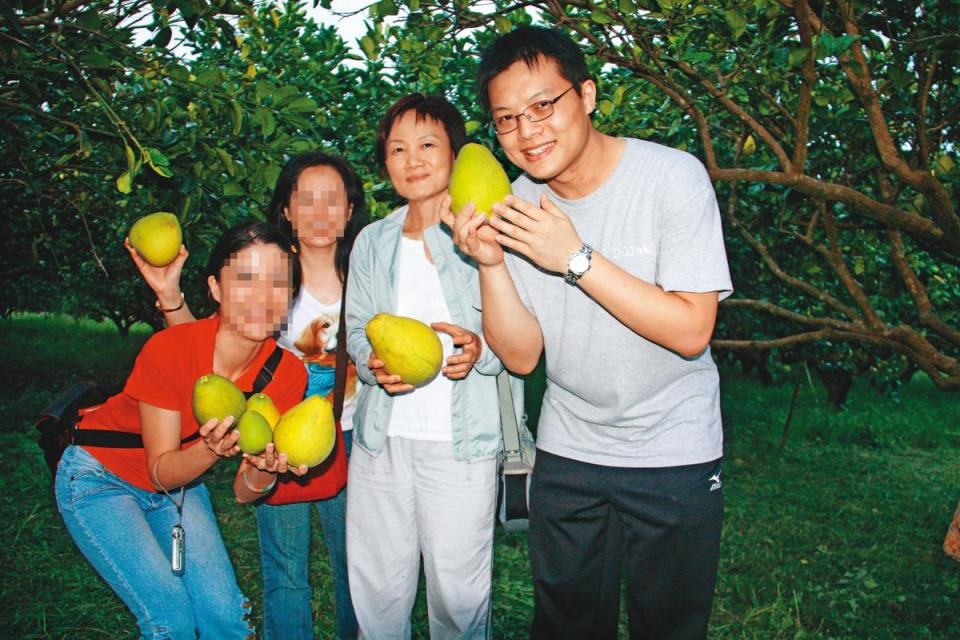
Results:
[125, 533]
[284, 550]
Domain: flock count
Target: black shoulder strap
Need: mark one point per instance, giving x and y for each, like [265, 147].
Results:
[341, 363]
[129, 440]
[265, 375]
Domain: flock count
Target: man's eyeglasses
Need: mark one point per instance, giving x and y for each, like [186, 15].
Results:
[534, 113]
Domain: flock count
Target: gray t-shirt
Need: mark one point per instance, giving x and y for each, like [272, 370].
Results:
[614, 398]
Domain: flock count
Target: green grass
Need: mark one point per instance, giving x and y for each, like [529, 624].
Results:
[837, 536]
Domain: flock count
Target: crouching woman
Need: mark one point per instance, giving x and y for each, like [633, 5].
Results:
[124, 504]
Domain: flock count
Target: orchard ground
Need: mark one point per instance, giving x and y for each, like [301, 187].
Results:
[836, 536]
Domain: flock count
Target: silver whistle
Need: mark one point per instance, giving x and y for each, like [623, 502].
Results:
[176, 550]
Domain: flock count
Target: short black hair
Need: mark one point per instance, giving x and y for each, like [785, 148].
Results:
[245, 234]
[532, 45]
[430, 106]
[287, 180]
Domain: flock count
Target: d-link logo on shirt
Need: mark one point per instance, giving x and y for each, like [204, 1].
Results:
[715, 482]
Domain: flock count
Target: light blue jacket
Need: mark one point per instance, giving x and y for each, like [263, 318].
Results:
[372, 289]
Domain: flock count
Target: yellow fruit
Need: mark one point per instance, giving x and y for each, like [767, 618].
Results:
[749, 146]
[216, 397]
[943, 166]
[255, 433]
[306, 433]
[477, 177]
[262, 404]
[157, 238]
[408, 347]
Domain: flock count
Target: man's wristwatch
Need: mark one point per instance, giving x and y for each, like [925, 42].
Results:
[578, 263]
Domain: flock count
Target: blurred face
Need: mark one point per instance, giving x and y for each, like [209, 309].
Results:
[254, 291]
[548, 148]
[419, 157]
[318, 209]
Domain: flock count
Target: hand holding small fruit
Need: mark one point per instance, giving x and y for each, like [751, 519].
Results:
[220, 437]
[544, 234]
[459, 364]
[164, 281]
[271, 462]
[391, 383]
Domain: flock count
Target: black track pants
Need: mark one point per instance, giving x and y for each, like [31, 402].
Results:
[660, 526]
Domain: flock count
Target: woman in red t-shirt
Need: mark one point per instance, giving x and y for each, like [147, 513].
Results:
[127, 507]
[318, 200]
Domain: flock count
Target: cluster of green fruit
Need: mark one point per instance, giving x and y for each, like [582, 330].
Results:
[306, 433]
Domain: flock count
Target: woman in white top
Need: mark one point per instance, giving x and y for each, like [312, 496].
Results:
[423, 472]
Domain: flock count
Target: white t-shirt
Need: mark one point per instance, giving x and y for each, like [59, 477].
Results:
[311, 333]
[418, 415]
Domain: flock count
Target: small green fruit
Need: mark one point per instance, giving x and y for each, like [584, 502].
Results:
[409, 348]
[477, 177]
[157, 238]
[216, 397]
[255, 433]
[307, 432]
[262, 404]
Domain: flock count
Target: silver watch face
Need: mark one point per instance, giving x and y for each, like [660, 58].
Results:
[579, 264]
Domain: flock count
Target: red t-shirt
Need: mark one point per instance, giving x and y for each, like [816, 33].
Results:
[164, 375]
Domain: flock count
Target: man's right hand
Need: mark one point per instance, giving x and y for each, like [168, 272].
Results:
[471, 233]
[165, 281]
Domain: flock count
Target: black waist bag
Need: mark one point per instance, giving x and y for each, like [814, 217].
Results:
[58, 422]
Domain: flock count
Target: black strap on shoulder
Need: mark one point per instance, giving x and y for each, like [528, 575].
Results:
[129, 440]
[265, 375]
[340, 366]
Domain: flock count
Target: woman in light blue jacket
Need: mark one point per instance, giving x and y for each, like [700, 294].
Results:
[422, 476]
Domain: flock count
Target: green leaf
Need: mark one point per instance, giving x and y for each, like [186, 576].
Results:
[265, 120]
[599, 17]
[227, 161]
[618, 94]
[502, 23]
[302, 104]
[798, 56]
[95, 60]
[123, 182]
[178, 73]
[627, 6]
[232, 189]
[386, 8]
[736, 22]
[236, 115]
[264, 88]
[859, 266]
[132, 164]
[605, 107]
[158, 162]
[369, 47]
[473, 125]
[828, 45]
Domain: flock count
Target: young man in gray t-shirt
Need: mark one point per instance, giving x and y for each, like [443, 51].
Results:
[615, 269]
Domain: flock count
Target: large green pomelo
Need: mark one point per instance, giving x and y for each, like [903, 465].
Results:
[157, 238]
[477, 177]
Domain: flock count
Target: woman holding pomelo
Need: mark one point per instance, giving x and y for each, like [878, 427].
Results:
[122, 504]
[423, 473]
[318, 201]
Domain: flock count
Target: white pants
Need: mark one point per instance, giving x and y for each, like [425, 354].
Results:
[414, 498]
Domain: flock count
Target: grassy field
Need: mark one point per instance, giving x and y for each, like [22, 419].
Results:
[836, 536]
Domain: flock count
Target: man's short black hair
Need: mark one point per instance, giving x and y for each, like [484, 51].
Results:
[532, 45]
